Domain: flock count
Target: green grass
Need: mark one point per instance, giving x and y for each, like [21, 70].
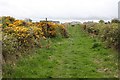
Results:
[72, 57]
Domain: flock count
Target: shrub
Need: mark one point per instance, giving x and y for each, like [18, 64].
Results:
[6, 20]
[101, 21]
[115, 21]
[20, 36]
[108, 33]
[9, 46]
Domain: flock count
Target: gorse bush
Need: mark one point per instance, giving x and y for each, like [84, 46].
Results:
[9, 46]
[20, 35]
[6, 20]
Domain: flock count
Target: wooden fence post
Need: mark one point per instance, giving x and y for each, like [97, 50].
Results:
[46, 27]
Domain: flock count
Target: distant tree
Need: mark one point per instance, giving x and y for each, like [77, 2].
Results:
[108, 22]
[101, 21]
[28, 20]
[115, 21]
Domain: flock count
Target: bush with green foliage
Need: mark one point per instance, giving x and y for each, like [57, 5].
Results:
[115, 21]
[108, 33]
[101, 21]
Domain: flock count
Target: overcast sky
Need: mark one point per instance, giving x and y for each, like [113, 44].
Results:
[59, 9]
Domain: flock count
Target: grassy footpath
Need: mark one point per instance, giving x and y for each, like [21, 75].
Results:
[74, 57]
